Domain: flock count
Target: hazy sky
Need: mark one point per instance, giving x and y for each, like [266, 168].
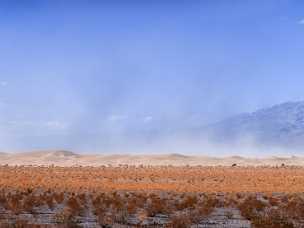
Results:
[115, 76]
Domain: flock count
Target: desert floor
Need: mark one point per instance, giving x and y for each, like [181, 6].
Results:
[164, 178]
[151, 196]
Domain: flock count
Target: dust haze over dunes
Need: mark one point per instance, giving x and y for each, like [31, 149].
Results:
[68, 158]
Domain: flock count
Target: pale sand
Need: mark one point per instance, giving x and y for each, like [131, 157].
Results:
[67, 158]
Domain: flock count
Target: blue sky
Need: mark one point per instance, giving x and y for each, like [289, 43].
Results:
[126, 76]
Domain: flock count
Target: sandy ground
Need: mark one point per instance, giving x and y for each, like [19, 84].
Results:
[176, 179]
[67, 158]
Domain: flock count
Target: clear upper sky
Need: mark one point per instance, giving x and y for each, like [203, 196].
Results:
[115, 76]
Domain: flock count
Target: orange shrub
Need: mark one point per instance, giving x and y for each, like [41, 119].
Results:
[250, 207]
[74, 206]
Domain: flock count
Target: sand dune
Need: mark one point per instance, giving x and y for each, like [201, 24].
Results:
[68, 158]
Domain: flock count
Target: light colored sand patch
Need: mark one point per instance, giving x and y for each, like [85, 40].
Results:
[67, 158]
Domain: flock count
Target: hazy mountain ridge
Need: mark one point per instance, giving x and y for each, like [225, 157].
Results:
[280, 125]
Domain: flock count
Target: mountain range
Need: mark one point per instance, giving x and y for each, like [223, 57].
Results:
[280, 126]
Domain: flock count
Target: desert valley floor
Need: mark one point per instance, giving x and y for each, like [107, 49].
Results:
[170, 191]
[151, 196]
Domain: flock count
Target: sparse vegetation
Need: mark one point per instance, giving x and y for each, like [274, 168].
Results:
[126, 195]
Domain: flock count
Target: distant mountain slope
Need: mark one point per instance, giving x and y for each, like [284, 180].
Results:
[281, 125]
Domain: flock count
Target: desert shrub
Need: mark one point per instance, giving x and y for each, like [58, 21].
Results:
[117, 202]
[49, 200]
[99, 207]
[14, 203]
[113, 201]
[59, 197]
[32, 201]
[195, 216]
[295, 208]
[74, 206]
[285, 199]
[106, 220]
[239, 196]
[132, 206]
[207, 206]
[121, 216]
[82, 198]
[272, 219]
[135, 202]
[188, 202]
[141, 199]
[142, 215]
[66, 219]
[107, 201]
[99, 210]
[230, 202]
[250, 207]
[3, 200]
[96, 201]
[21, 224]
[267, 223]
[61, 217]
[273, 201]
[181, 221]
[157, 206]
